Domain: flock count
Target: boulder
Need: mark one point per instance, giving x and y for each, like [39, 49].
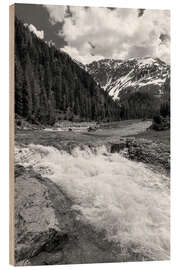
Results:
[117, 147]
[37, 228]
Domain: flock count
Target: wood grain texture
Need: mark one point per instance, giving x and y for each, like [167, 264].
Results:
[11, 128]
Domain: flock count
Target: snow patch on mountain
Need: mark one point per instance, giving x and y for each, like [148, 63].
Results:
[117, 76]
[146, 61]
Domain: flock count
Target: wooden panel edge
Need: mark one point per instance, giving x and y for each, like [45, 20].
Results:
[11, 129]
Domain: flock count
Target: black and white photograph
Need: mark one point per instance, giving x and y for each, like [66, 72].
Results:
[90, 97]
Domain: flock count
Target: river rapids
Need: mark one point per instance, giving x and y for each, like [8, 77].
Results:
[123, 198]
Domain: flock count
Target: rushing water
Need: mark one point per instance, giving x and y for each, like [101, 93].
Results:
[125, 199]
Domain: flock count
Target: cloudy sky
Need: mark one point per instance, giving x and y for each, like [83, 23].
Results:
[91, 33]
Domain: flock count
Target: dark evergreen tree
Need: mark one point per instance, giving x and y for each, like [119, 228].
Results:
[165, 105]
[19, 77]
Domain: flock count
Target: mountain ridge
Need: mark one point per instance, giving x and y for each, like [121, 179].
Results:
[120, 76]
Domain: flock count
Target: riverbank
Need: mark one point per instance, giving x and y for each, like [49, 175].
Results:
[131, 137]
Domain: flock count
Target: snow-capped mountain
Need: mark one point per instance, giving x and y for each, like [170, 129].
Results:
[120, 77]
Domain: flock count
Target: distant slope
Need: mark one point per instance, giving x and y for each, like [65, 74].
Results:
[50, 86]
[120, 78]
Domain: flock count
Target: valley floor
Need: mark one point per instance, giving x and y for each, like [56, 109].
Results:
[106, 132]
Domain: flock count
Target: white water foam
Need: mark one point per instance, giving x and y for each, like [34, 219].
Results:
[125, 199]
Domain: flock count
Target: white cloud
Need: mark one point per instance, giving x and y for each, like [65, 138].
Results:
[115, 34]
[38, 33]
[84, 58]
[57, 13]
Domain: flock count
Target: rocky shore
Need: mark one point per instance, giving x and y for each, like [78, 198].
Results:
[155, 155]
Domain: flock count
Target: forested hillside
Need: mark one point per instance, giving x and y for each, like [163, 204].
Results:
[49, 86]
[143, 104]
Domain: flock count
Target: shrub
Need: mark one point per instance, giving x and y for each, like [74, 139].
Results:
[157, 119]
